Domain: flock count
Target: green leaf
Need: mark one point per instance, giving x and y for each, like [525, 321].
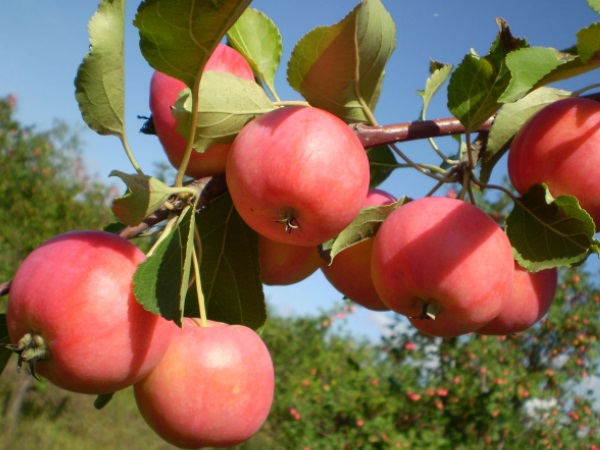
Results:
[439, 75]
[547, 232]
[226, 104]
[509, 120]
[100, 80]
[5, 353]
[588, 43]
[382, 163]
[339, 67]
[364, 226]
[478, 82]
[595, 5]
[161, 282]
[528, 67]
[178, 37]
[257, 38]
[229, 268]
[144, 195]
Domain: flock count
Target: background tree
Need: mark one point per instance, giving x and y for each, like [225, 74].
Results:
[44, 187]
[418, 392]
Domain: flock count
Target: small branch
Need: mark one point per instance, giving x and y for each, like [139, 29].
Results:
[209, 187]
[374, 136]
[5, 288]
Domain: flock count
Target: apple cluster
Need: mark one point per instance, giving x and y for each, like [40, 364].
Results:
[73, 318]
[298, 176]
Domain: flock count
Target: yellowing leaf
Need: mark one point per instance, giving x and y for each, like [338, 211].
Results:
[340, 67]
[144, 195]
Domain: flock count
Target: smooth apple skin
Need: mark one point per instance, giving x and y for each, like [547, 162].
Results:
[560, 146]
[446, 253]
[532, 296]
[302, 163]
[164, 91]
[350, 270]
[76, 291]
[284, 264]
[213, 388]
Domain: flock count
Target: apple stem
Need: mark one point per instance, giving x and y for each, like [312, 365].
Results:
[31, 348]
[197, 249]
[428, 311]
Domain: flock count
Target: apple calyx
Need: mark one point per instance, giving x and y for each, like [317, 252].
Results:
[31, 348]
[428, 311]
[289, 220]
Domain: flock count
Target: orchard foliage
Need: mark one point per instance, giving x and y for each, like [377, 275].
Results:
[413, 391]
[288, 177]
[55, 193]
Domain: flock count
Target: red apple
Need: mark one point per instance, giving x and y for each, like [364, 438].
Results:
[164, 91]
[73, 296]
[443, 257]
[297, 175]
[350, 270]
[532, 296]
[560, 146]
[213, 388]
[284, 264]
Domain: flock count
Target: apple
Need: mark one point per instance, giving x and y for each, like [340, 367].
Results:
[444, 263]
[283, 264]
[532, 296]
[297, 175]
[350, 270]
[164, 91]
[73, 315]
[213, 388]
[560, 146]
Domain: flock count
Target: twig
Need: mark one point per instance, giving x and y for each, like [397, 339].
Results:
[5, 288]
[374, 136]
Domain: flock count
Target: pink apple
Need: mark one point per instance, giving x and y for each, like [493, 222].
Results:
[560, 146]
[73, 296]
[284, 264]
[532, 296]
[446, 258]
[164, 91]
[213, 388]
[297, 175]
[350, 271]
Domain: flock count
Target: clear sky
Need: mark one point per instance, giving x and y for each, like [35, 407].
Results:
[42, 43]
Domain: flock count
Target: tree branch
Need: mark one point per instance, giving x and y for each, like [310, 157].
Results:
[374, 136]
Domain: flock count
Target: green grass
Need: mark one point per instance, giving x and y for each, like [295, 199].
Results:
[54, 419]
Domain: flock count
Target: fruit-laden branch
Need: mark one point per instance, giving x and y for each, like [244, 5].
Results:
[374, 136]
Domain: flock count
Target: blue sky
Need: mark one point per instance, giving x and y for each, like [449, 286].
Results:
[43, 41]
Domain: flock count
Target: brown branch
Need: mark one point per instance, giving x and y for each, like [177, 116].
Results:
[374, 136]
[209, 188]
[5, 288]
